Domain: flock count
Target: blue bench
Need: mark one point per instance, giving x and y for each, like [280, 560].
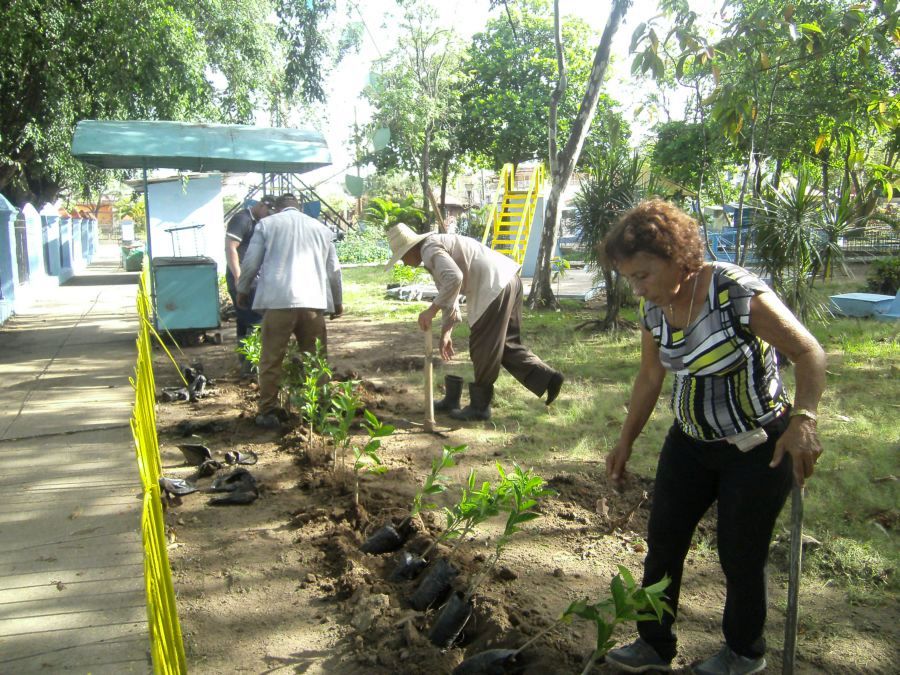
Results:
[861, 304]
[893, 310]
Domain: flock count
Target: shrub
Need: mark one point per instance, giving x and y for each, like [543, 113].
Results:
[406, 275]
[365, 245]
[884, 275]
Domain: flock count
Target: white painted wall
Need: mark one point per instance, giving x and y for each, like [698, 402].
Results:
[175, 204]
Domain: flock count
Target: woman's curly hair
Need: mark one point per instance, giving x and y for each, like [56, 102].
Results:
[656, 227]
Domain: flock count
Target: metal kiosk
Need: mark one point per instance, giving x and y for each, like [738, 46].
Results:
[184, 289]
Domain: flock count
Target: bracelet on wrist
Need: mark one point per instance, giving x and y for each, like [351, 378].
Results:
[804, 412]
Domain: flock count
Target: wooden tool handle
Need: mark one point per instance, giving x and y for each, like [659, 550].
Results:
[792, 618]
[429, 384]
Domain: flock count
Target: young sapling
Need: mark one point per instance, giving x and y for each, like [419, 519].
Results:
[435, 482]
[307, 382]
[475, 505]
[519, 493]
[344, 404]
[250, 347]
[627, 602]
[366, 458]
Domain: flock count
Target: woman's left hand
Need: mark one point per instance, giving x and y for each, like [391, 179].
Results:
[801, 441]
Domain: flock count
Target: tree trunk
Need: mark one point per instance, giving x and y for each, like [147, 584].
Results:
[613, 299]
[757, 175]
[445, 169]
[541, 294]
[776, 178]
[426, 168]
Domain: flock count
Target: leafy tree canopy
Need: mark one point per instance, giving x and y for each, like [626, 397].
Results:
[512, 71]
[62, 61]
[415, 94]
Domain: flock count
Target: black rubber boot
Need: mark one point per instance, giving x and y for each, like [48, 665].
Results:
[453, 384]
[479, 407]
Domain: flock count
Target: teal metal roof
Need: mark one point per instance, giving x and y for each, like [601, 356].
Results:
[198, 147]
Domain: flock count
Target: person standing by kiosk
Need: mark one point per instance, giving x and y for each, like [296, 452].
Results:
[238, 233]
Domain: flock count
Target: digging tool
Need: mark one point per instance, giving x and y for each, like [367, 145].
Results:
[429, 384]
[793, 605]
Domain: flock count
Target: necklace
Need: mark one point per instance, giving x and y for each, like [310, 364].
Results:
[691, 306]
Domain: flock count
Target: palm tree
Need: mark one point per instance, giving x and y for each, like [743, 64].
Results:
[614, 183]
[788, 241]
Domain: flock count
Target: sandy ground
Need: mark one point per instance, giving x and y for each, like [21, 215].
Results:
[280, 585]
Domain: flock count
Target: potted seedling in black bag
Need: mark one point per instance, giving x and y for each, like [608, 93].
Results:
[475, 505]
[627, 603]
[409, 565]
[390, 537]
[519, 493]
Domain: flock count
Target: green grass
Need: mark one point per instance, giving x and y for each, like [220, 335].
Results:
[849, 498]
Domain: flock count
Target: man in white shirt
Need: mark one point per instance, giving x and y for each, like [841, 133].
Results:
[493, 290]
[238, 233]
[299, 282]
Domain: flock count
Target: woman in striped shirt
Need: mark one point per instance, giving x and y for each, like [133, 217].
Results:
[737, 439]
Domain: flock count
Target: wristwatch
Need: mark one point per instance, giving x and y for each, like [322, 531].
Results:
[804, 412]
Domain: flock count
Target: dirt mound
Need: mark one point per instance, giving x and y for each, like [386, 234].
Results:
[281, 583]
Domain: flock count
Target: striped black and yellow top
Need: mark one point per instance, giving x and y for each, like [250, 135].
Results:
[726, 378]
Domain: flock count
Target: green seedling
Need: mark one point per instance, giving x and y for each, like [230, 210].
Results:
[519, 493]
[307, 381]
[559, 266]
[627, 602]
[344, 404]
[366, 458]
[435, 482]
[250, 348]
[475, 505]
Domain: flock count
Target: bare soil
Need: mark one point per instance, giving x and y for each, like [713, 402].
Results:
[280, 585]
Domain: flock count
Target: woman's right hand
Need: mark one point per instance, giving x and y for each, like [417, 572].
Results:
[616, 461]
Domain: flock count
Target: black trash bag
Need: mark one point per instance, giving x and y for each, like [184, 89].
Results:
[246, 495]
[248, 457]
[408, 567]
[195, 453]
[173, 394]
[388, 538]
[451, 621]
[207, 468]
[176, 486]
[192, 371]
[434, 585]
[197, 389]
[492, 662]
[239, 479]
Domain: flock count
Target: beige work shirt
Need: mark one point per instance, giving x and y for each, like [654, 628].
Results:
[464, 265]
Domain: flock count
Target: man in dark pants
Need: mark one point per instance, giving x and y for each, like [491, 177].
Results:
[299, 283]
[238, 233]
[493, 291]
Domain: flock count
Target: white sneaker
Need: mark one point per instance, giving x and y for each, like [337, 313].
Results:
[726, 662]
[638, 657]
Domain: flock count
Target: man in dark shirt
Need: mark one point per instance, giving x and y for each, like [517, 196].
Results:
[238, 233]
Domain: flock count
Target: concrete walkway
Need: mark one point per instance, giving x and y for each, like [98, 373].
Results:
[71, 570]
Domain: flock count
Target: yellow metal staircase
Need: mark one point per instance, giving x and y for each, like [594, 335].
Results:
[512, 213]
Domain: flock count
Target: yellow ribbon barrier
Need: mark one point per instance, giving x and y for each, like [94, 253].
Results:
[166, 644]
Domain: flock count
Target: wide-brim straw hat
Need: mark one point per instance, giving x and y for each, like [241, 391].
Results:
[401, 238]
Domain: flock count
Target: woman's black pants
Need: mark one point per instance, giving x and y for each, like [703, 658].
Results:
[691, 475]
